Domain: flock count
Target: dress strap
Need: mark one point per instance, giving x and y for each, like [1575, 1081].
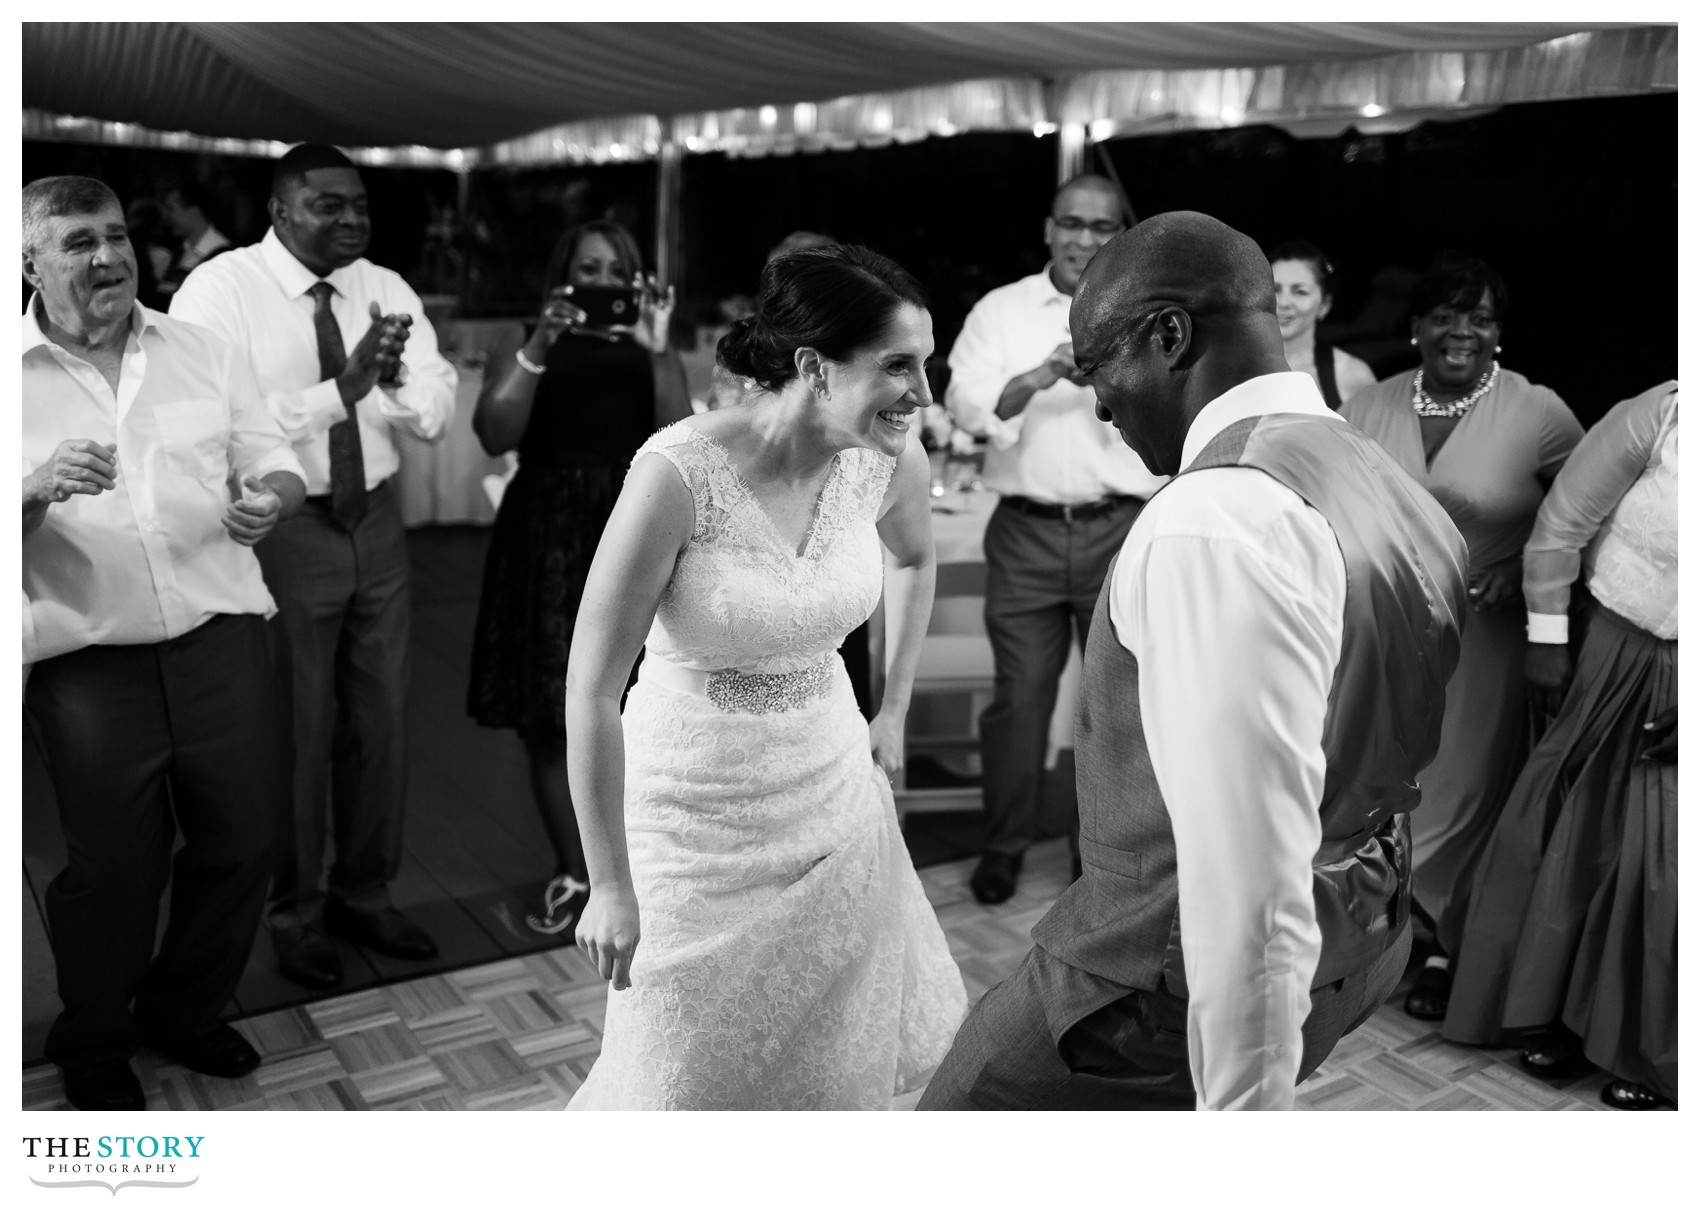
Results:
[1325, 375]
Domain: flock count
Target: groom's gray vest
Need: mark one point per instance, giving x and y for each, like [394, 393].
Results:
[1405, 596]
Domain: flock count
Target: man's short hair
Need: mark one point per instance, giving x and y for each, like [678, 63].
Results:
[51, 197]
[193, 195]
[1094, 181]
[303, 158]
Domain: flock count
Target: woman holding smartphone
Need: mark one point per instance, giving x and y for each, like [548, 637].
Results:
[576, 398]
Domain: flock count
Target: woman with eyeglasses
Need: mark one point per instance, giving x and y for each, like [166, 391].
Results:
[1486, 443]
[1304, 294]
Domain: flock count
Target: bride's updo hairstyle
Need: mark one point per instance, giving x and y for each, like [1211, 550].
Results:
[836, 299]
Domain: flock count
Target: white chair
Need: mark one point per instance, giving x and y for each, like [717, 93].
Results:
[955, 661]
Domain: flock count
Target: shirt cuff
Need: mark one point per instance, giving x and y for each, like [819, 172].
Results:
[1003, 434]
[323, 402]
[1549, 628]
[392, 405]
[277, 460]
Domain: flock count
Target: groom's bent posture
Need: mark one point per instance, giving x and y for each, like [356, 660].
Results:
[1265, 677]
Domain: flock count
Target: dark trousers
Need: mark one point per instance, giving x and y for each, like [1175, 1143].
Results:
[134, 735]
[1042, 580]
[1022, 1049]
[344, 610]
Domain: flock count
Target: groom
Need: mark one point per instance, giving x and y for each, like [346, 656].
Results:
[1265, 676]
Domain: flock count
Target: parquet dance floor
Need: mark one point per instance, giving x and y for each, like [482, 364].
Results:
[521, 1032]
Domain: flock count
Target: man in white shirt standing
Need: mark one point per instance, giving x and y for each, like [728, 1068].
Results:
[185, 212]
[1264, 679]
[1070, 489]
[343, 354]
[151, 467]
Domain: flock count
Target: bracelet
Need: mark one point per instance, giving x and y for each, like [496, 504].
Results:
[526, 364]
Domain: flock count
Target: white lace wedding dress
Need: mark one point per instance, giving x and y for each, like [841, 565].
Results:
[789, 958]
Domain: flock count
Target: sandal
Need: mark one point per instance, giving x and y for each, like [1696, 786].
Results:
[563, 900]
[1632, 1096]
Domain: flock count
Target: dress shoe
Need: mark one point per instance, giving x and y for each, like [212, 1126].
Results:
[993, 881]
[221, 1052]
[1552, 1054]
[308, 958]
[1632, 1096]
[103, 1086]
[1430, 994]
[386, 931]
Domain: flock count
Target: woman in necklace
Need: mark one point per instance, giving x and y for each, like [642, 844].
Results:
[1491, 480]
[1304, 295]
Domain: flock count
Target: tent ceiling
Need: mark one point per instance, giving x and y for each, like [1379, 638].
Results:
[469, 85]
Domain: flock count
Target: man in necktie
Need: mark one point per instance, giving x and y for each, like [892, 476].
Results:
[344, 356]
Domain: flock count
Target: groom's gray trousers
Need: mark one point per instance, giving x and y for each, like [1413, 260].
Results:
[1054, 1038]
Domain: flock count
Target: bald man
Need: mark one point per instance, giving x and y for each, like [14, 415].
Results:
[1265, 676]
[1069, 491]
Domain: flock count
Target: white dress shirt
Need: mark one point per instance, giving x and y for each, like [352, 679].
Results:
[211, 240]
[1612, 513]
[256, 297]
[1055, 450]
[149, 559]
[1230, 593]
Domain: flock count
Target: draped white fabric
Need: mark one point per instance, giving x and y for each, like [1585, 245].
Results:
[739, 85]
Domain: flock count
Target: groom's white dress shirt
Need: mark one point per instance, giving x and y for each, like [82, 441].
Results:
[1229, 593]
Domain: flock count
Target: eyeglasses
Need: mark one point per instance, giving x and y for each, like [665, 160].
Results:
[1074, 225]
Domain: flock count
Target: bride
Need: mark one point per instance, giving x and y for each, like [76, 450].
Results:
[752, 903]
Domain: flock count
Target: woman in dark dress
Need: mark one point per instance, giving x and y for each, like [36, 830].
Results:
[576, 402]
[1486, 443]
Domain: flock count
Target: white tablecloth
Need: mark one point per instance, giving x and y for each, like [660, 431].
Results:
[959, 533]
[442, 482]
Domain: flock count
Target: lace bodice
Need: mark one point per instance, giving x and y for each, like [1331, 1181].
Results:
[739, 598]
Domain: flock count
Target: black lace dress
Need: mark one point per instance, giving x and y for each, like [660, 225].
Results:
[595, 406]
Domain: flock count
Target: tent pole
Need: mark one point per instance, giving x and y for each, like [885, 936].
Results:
[1071, 150]
[463, 198]
[669, 267]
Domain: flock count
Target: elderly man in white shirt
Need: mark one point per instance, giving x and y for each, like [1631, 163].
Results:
[1070, 489]
[151, 468]
[343, 354]
[1264, 679]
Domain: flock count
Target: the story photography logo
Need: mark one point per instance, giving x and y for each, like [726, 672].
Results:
[113, 1162]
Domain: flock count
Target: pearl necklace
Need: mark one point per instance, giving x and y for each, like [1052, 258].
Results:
[1427, 406]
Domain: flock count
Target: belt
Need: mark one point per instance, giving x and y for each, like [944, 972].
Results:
[322, 500]
[1069, 513]
[745, 693]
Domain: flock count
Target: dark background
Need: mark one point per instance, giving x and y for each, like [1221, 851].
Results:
[1574, 202]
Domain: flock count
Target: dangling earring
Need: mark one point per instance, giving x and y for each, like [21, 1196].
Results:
[1413, 340]
[1499, 349]
[823, 393]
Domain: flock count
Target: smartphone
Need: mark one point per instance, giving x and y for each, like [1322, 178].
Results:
[605, 306]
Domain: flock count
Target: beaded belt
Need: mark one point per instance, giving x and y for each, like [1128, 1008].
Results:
[746, 693]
